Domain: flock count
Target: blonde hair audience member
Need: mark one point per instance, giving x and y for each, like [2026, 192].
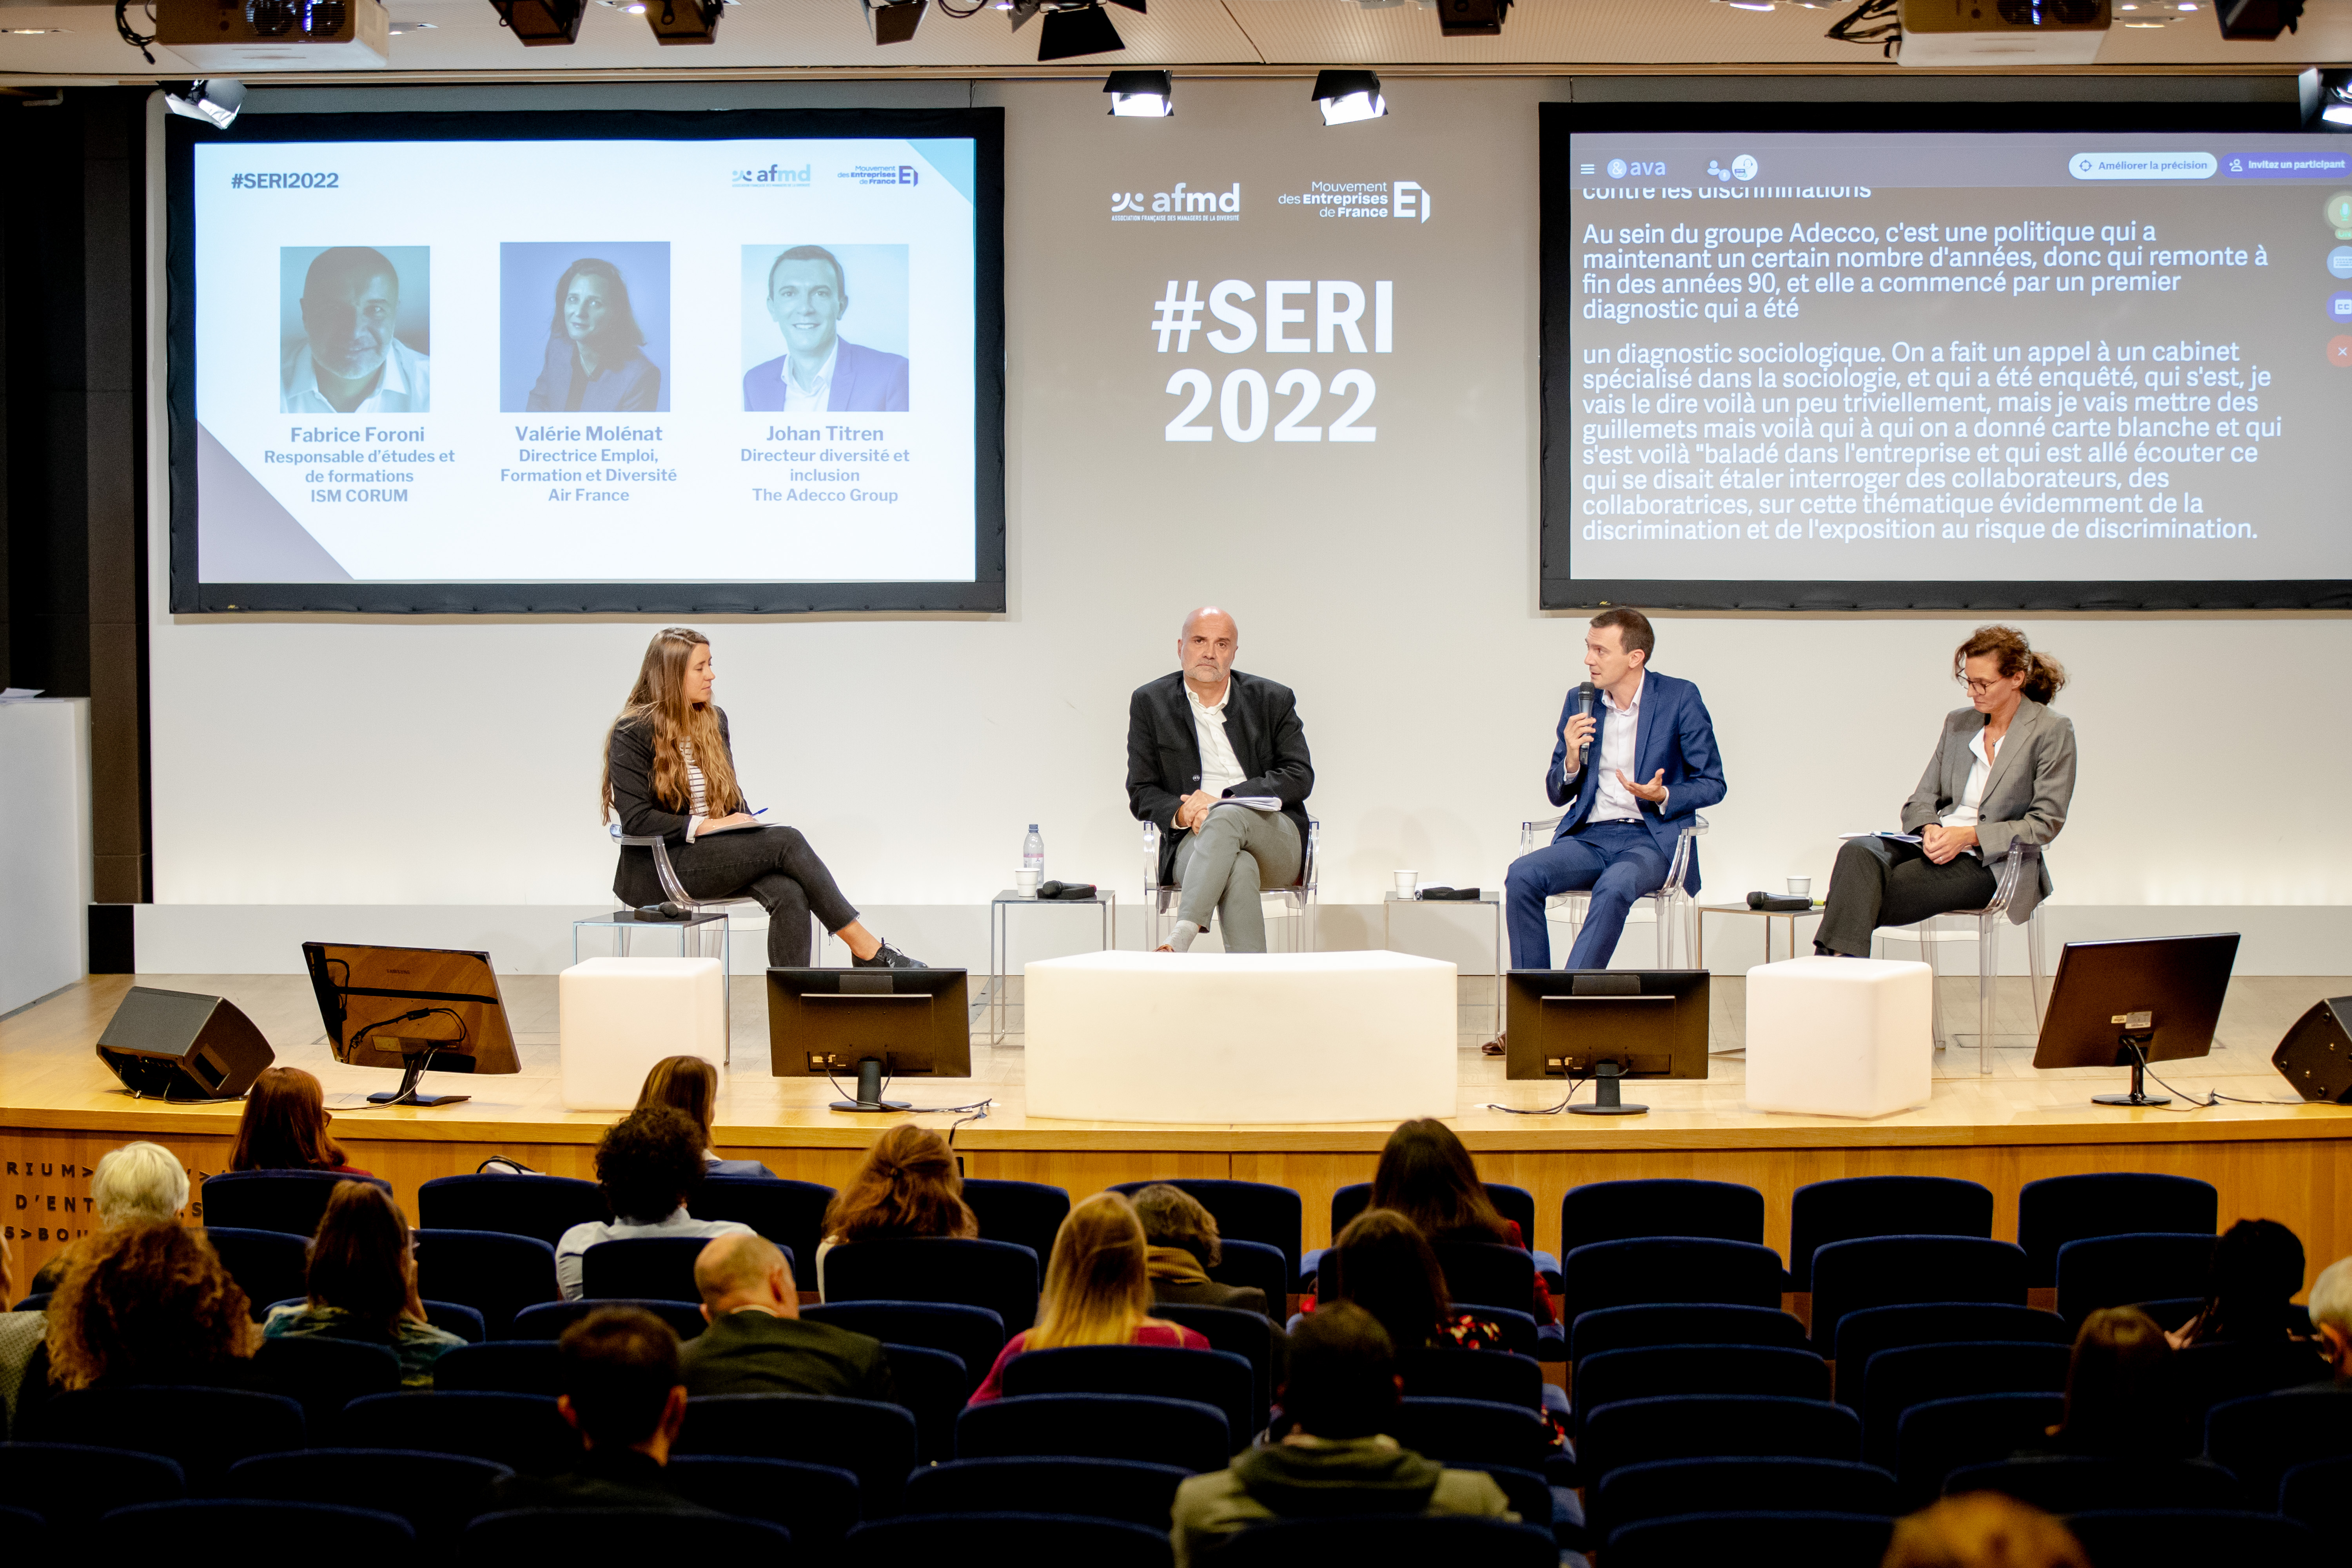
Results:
[691, 1085]
[1982, 1529]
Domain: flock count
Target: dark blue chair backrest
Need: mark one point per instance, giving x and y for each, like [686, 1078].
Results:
[543, 1206]
[2158, 1538]
[436, 1493]
[877, 1442]
[1245, 1211]
[1007, 1538]
[524, 1431]
[931, 1387]
[205, 1430]
[1816, 1539]
[1254, 1263]
[1895, 1380]
[28, 1532]
[456, 1318]
[1660, 1205]
[267, 1264]
[2320, 1495]
[1123, 1489]
[2069, 1483]
[2210, 1374]
[1683, 1323]
[818, 1503]
[291, 1201]
[790, 1214]
[497, 1274]
[1861, 1335]
[1652, 1270]
[2056, 1210]
[1212, 1377]
[973, 1335]
[38, 1301]
[1390, 1538]
[501, 1367]
[1486, 1274]
[1186, 1432]
[1027, 1214]
[1253, 1336]
[1473, 1433]
[2120, 1271]
[324, 1374]
[621, 1535]
[1512, 1203]
[1666, 1488]
[70, 1484]
[2260, 1439]
[260, 1531]
[1714, 1425]
[1497, 1377]
[646, 1268]
[1891, 1270]
[547, 1319]
[1854, 1207]
[997, 1275]
[1933, 1439]
[1654, 1371]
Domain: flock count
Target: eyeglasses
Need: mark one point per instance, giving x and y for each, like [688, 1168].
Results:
[1979, 687]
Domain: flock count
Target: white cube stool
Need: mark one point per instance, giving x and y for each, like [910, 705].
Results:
[1839, 1036]
[1240, 1037]
[617, 1017]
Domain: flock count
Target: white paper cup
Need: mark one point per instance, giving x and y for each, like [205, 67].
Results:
[1800, 886]
[1025, 880]
[1405, 882]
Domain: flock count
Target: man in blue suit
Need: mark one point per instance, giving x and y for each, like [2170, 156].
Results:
[1653, 764]
[820, 372]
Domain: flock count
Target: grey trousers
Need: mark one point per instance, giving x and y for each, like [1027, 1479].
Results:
[1878, 882]
[1223, 867]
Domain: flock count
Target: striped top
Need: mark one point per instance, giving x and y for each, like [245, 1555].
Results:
[698, 795]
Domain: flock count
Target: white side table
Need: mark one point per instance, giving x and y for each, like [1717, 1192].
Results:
[1490, 896]
[699, 936]
[1000, 939]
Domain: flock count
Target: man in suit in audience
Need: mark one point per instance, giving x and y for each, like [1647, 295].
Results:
[1196, 738]
[758, 1342]
[622, 1394]
[1343, 1388]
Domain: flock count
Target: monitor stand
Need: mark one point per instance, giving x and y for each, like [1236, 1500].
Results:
[1606, 1095]
[406, 1094]
[2138, 1095]
[869, 1090]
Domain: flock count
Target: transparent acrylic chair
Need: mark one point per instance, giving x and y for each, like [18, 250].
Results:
[1676, 912]
[2023, 860]
[1162, 899]
[674, 890]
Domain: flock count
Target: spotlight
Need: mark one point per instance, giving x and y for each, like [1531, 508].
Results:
[1345, 97]
[215, 102]
[2259, 19]
[2335, 100]
[539, 24]
[893, 21]
[1141, 95]
[1471, 18]
[1073, 30]
[682, 21]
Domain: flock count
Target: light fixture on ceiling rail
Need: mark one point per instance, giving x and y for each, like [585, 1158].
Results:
[1472, 18]
[893, 21]
[1348, 96]
[684, 21]
[2335, 100]
[215, 102]
[2262, 20]
[1141, 95]
[540, 24]
[1873, 22]
[1072, 27]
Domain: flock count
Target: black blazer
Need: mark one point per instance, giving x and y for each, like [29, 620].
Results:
[629, 757]
[1163, 753]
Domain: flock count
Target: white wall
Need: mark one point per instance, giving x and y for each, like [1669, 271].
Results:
[338, 761]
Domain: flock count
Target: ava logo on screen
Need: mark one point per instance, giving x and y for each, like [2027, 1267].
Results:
[1181, 205]
[775, 176]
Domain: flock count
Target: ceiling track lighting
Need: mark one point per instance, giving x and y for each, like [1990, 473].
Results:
[2262, 20]
[684, 21]
[1348, 96]
[216, 101]
[1074, 28]
[893, 21]
[1472, 18]
[540, 24]
[1141, 95]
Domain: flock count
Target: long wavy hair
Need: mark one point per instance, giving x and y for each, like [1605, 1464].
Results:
[1098, 1288]
[1426, 1175]
[360, 1262]
[907, 1187]
[285, 1125]
[658, 700]
[2044, 675]
[1383, 1264]
[146, 1302]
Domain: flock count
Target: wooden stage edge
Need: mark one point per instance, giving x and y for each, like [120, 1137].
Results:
[60, 1110]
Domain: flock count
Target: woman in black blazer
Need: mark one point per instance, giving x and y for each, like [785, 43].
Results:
[669, 773]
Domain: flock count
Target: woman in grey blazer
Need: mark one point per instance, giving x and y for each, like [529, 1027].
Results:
[2002, 772]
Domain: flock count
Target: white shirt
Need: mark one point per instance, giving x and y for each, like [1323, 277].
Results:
[403, 387]
[1968, 813]
[1612, 801]
[1220, 769]
[569, 1272]
[819, 394]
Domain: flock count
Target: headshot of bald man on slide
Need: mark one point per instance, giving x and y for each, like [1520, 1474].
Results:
[348, 361]
[820, 372]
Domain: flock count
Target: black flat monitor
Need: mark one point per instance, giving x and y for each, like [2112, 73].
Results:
[879, 1024]
[414, 1008]
[1607, 1024]
[2127, 1004]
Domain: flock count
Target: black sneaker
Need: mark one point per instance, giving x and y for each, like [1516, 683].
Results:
[887, 957]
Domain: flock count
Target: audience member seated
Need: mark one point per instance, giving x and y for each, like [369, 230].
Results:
[2121, 1400]
[2330, 1305]
[1341, 1395]
[20, 1342]
[907, 1187]
[149, 1302]
[1426, 1175]
[138, 1181]
[1098, 1290]
[650, 1165]
[363, 1285]
[1382, 1263]
[1982, 1529]
[2250, 1286]
[758, 1342]
[691, 1085]
[1183, 1243]
[284, 1127]
[618, 1371]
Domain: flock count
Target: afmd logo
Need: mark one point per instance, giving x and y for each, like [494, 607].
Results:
[1178, 206]
[772, 177]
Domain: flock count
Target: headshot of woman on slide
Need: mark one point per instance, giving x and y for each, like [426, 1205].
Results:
[595, 350]
[668, 773]
[2002, 771]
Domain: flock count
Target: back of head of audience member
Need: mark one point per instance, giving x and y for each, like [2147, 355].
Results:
[284, 1127]
[2119, 1389]
[1343, 1380]
[138, 1181]
[1383, 1264]
[2257, 1267]
[742, 1271]
[907, 1186]
[1098, 1288]
[2330, 1303]
[683, 1083]
[146, 1302]
[1982, 1529]
[1426, 1174]
[360, 1262]
[650, 1164]
[619, 1376]
[1174, 1218]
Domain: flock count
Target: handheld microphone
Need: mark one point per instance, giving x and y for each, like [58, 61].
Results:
[1584, 695]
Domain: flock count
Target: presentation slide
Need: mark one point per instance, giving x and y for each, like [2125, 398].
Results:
[440, 372]
[2110, 362]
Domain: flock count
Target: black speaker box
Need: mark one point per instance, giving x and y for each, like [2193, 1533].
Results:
[180, 1046]
[2316, 1054]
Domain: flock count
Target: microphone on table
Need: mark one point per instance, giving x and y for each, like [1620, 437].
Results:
[1584, 710]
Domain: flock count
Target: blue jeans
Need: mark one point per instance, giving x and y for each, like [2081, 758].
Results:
[1617, 861]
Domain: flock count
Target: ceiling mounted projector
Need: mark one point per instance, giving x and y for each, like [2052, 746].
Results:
[2002, 32]
[229, 36]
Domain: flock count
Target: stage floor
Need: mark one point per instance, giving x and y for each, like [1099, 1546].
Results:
[60, 1108]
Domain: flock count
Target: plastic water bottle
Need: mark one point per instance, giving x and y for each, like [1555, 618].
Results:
[1032, 854]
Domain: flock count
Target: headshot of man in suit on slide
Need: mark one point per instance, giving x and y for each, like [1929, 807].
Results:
[346, 358]
[807, 295]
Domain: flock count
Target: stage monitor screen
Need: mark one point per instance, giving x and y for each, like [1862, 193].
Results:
[1648, 1022]
[626, 362]
[1887, 370]
[828, 1021]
